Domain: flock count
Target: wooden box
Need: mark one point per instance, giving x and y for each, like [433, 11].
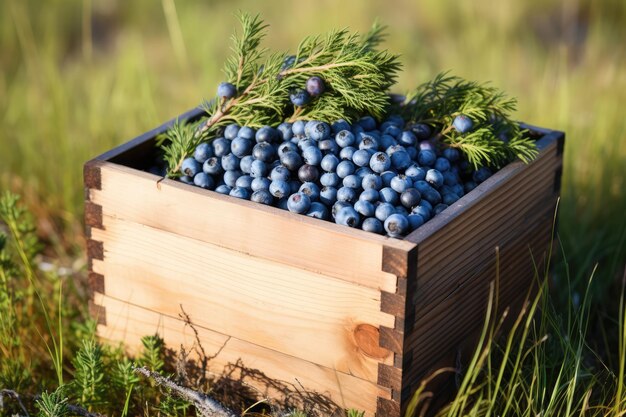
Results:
[296, 306]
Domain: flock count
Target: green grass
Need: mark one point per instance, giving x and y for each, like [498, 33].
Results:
[72, 87]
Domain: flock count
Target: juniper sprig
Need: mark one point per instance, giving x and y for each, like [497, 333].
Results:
[177, 143]
[495, 139]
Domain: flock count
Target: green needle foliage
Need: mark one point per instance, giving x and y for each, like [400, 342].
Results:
[89, 377]
[54, 404]
[495, 139]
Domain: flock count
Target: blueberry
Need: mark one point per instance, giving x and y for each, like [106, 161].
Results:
[190, 167]
[347, 216]
[361, 157]
[415, 221]
[299, 203]
[284, 131]
[450, 178]
[397, 225]
[393, 149]
[329, 163]
[203, 152]
[388, 195]
[352, 181]
[427, 205]
[422, 210]
[329, 179]
[362, 172]
[287, 146]
[245, 181]
[393, 130]
[481, 175]
[328, 147]
[280, 188]
[368, 142]
[312, 155]
[434, 178]
[386, 177]
[346, 194]
[345, 138]
[231, 131]
[305, 143]
[262, 196]
[328, 195]
[258, 169]
[221, 147]
[294, 186]
[402, 210]
[384, 210]
[396, 119]
[340, 125]
[386, 141]
[318, 211]
[230, 162]
[380, 162]
[439, 208]
[365, 208]
[265, 134]
[426, 146]
[264, 151]
[412, 151]
[400, 183]
[240, 147]
[338, 205]
[279, 173]
[204, 180]
[449, 198]
[400, 160]
[422, 131]
[347, 153]
[372, 181]
[462, 123]
[415, 172]
[426, 158]
[311, 190]
[299, 97]
[212, 166]
[319, 131]
[315, 86]
[345, 168]
[373, 225]
[282, 203]
[292, 160]
[469, 186]
[226, 90]
[308, 126]
[298, 127]
[442, 164]
[370, 195]
[223, 189]
[240, 192]
[407, 138]
[410, 198]
[458, 190]
[367, 122]
[451, 154]
[308, 173]
[260, 183]
[431, 195]
[421, 186]
[246, 133]
[230, 177]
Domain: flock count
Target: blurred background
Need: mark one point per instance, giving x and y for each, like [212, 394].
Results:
[78, 77]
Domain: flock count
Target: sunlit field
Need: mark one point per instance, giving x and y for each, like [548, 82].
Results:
[80, 77]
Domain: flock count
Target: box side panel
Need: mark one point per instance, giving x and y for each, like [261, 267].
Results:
[318, 318]
[279, 377]
[513, 212]
[247, 227]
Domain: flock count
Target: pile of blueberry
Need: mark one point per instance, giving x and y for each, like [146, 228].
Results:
[386, 178]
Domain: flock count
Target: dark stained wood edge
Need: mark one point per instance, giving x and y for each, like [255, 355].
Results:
[93, 215]
[91, 175]
[391, 339]
[387, 408]
[96, 282]
[395, 261]
[558, 174]
[95, 249]
[544, 145]
[98, 312]
[389, 377]
[148, 136]
[392, 304]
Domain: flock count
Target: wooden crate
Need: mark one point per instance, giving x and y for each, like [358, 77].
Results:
[301, 307]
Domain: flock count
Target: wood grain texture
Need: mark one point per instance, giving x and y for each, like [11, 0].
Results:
[91, 175]
[387, 408]
[267, 303]
[280, 375]
[250, 228]
[93, 215]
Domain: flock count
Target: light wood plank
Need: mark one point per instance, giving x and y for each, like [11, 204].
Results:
[250, 228]
[128, 323]
[291, 310]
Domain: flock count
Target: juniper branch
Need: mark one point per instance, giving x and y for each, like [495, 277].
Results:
[206, 406]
